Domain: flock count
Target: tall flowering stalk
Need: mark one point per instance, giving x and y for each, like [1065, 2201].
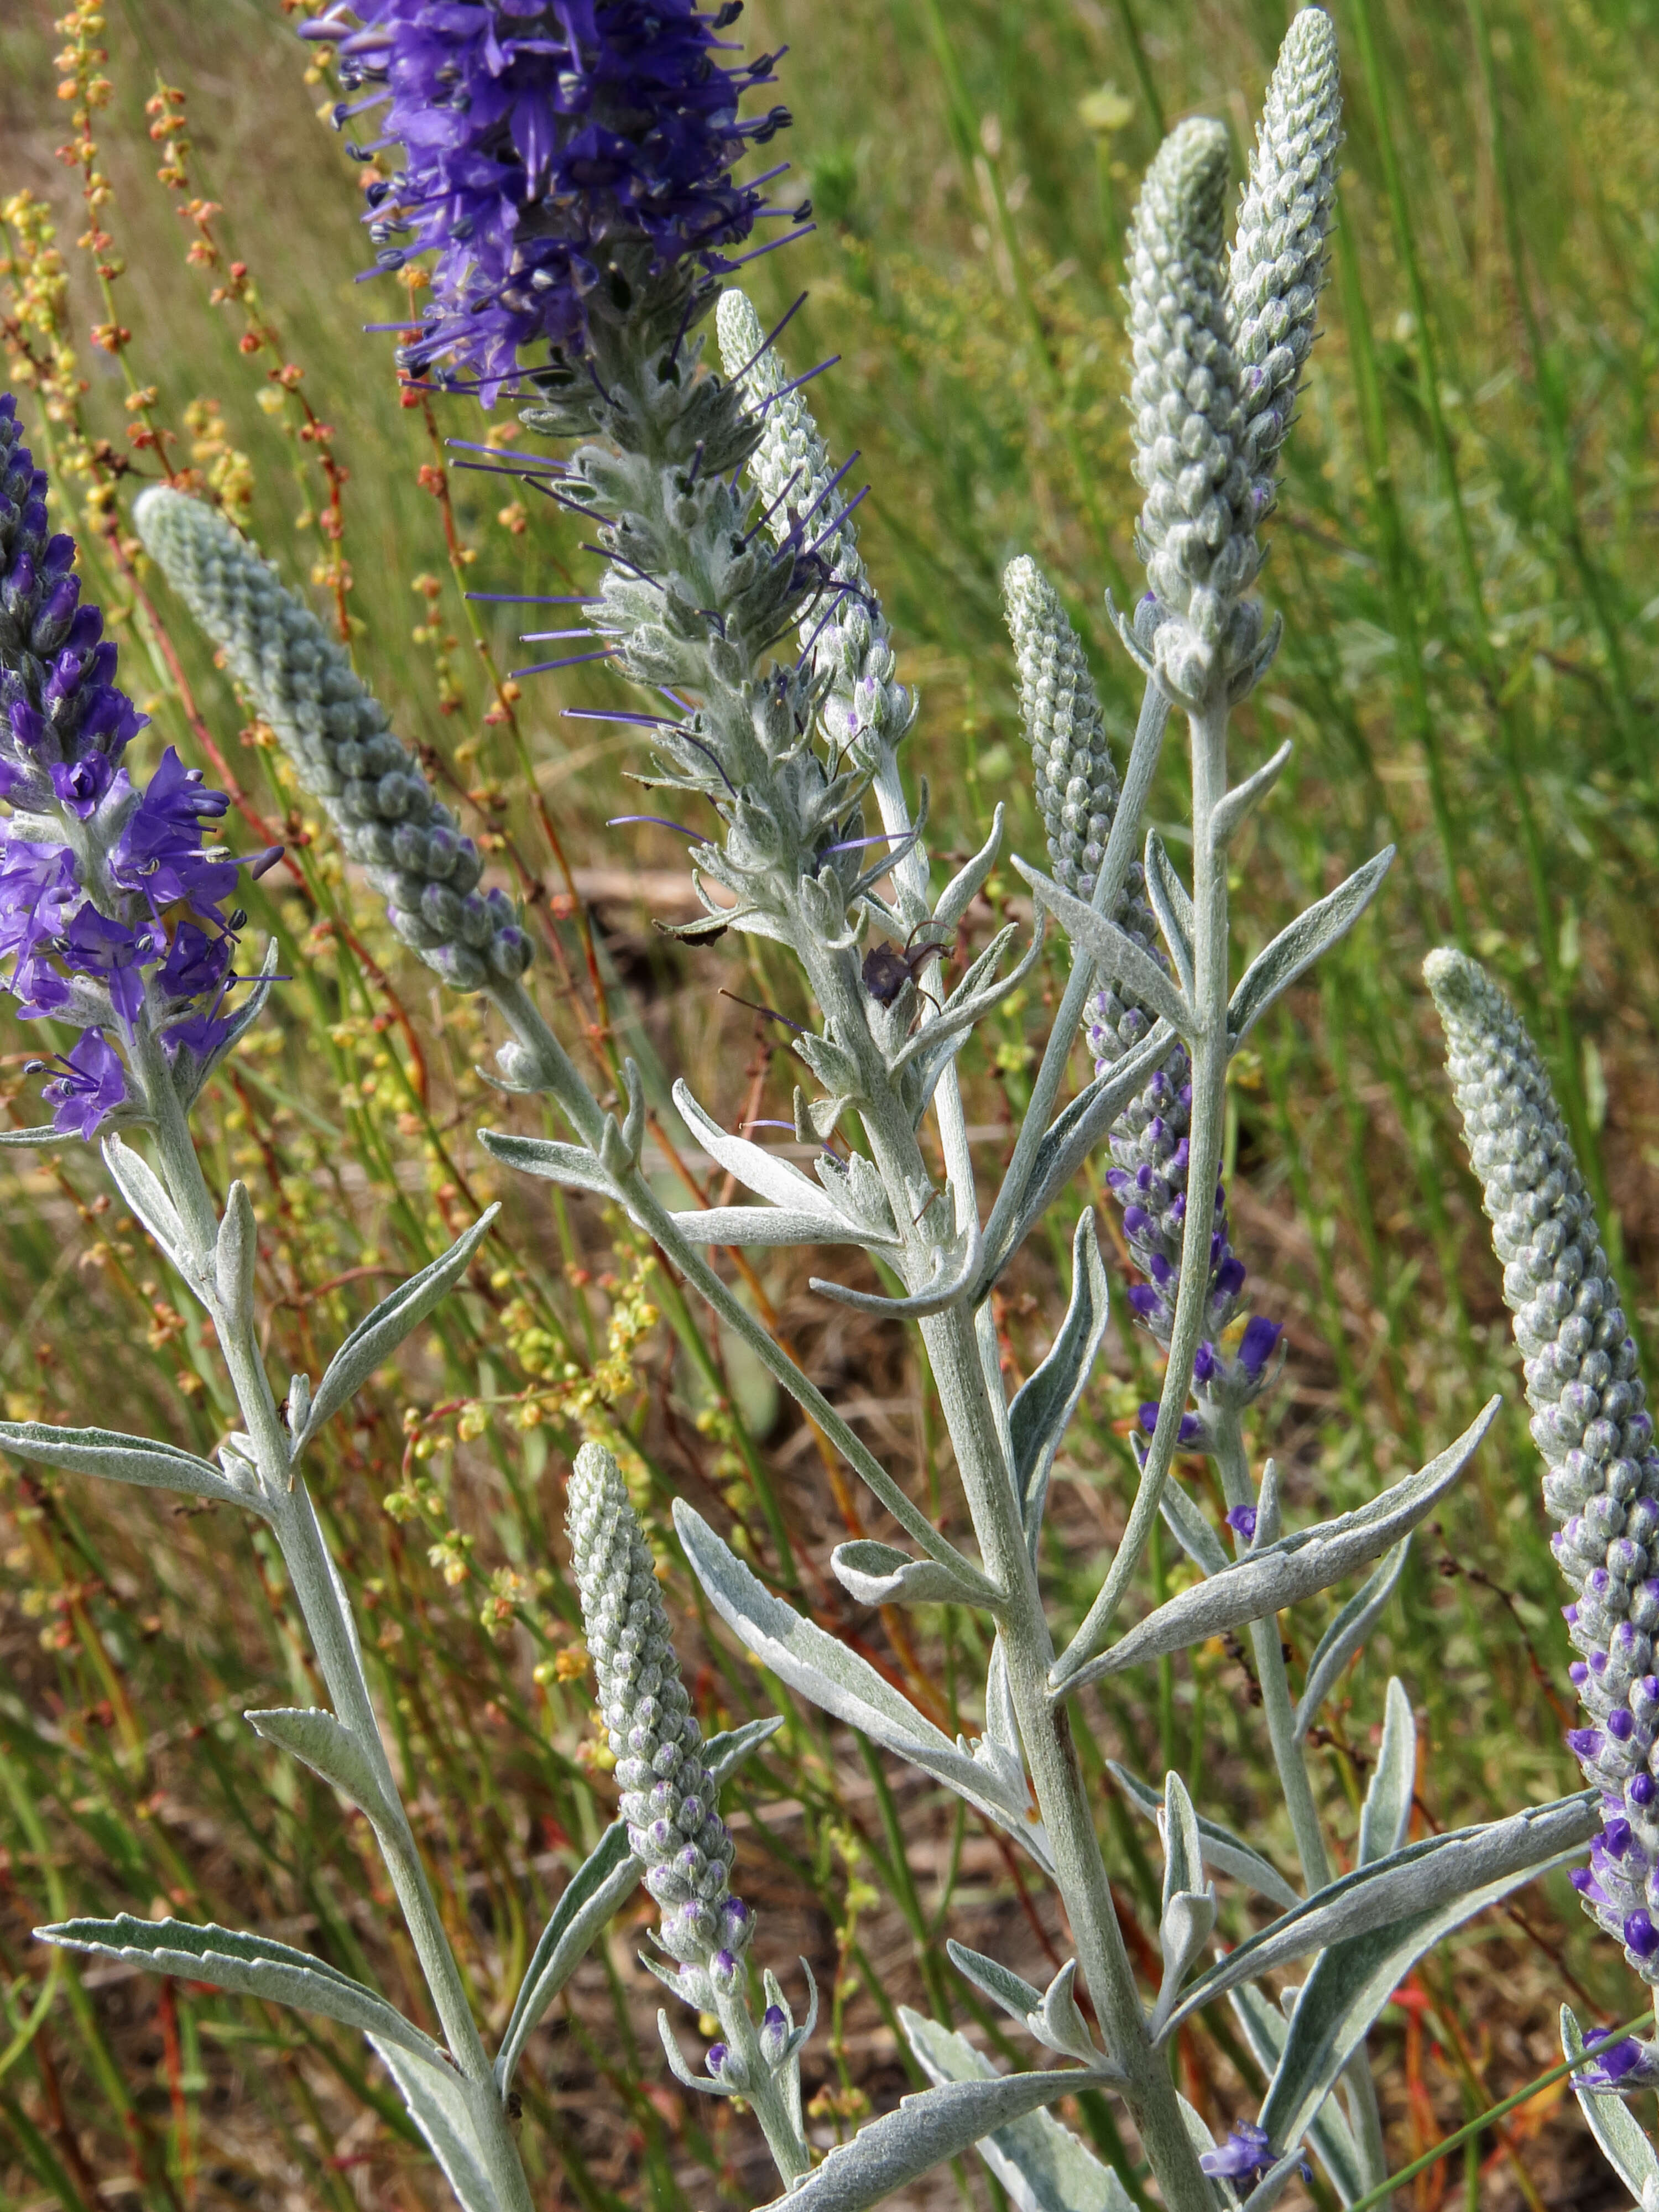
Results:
[1591, 1423]
[570, 168]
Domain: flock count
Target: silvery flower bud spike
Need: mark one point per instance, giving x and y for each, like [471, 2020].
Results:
[1279, 256]
[1195, 631]
[337, 735]
[1590, 1422]
[670, 1804]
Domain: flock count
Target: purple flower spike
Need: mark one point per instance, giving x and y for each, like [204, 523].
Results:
[111, 915]
[554, 154]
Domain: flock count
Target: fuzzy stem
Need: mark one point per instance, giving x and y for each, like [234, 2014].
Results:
[1206, 1131]
[1279, 1710]
[323, 1605]
[1057, 1777]
[767, 2097]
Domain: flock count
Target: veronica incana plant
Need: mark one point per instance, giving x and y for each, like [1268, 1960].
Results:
[570, 169]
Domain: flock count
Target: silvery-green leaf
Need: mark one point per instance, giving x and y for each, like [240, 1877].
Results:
[251, 1966]
[236, 1253]
[441, 2103]
[680, 2067]
[1273, 2184]
[1408, 1884]
[753, 1165]
[963, 888]
[1264, 1582]
[41, 1138]
[1268, 1519]
[1042, 1409]
[124, 1459]
[298, 1404]
[1328, 2133]
[146, 1195]
[771, 1225]
[725, 1751]
[1300, 943]
[1192, 1531]
[924, 2131]
[1222, 1848]
[1171, 906]
[330, 1749]
[1112, 950]
[593, 1894]
[1351, 1981]
[842, 1683]
[1017, 1996]
[1236, 803]
[1346, 1634]
[1057, 2021]
[1386, 1815]
[1038, 2160]
[1183, 1846]
[378, 1336]
[1183, 1930]
[571, 1166]
[956, 1268]
[880, 1574]
[1624, 2141]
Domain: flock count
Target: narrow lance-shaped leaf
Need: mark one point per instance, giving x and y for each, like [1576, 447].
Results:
[880, 1574]
[1110, 948]
[837, 1680]
[123, 1459]
[1328, 2133]
[1385, 1818]
[251, 1966]
[1038, 2160]
[330, 1749]
[592, 1896]
[1264, 1582]
[887, 2153]
[378, 1336]
[1042, 1409]
[440, 2103]
[1193, 1532]
[573, 1167]
[1419, 1878]
[1350, 1983]
[145, 1192]
[1171, 906]
[1296, 946]
[1346, 1635]
[1001, 1984]
[1222, 1849]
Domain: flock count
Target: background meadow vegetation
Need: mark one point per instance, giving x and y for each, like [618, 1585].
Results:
[1467, 556]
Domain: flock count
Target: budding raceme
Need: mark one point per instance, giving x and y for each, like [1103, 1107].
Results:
[669, 1798]
[337, 734]
[1194, 630]
[1279, 256]
[1589, 1421]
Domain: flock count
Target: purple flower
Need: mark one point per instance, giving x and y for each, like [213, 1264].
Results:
[92, 1083]
[1246, 2154]
[542, 140]
[1241, 1519]
[159, 852]
[1623, 2064]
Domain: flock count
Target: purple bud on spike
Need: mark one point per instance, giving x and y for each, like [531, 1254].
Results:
[1641, 1934]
